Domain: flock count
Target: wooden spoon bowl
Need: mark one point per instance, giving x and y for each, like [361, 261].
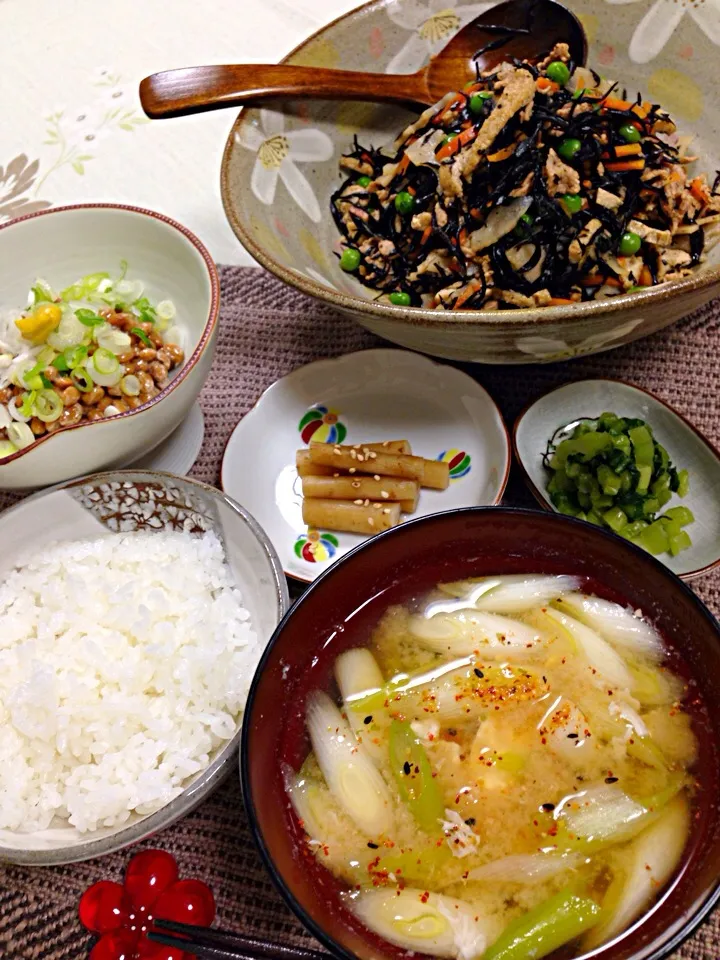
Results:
[524, 29]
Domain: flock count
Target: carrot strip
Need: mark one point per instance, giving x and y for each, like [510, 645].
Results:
[458, 98]
[625, 165]
[559, 301]
[613, 103]
[624, 150]
[699, 191]
[469, 291]
[452, 146]
[426, 234]
[545, 85]
[502, 154]
[598, 280]
[403, 165]
[645, 277]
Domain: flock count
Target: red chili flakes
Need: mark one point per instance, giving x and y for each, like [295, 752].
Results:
[425, 896]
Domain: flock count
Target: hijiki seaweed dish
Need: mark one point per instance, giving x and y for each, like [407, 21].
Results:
[537, 185]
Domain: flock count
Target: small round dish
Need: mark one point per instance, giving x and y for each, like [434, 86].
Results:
[363, 397]
[152, 502]
[344, 605]
[687, 448]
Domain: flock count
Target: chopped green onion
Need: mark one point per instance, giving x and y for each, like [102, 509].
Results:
[104, 361]
[82, 379]
[41, 292]
[75, 356]
[60, 363]
[28, 403]
[48, 406]
[166, 310]
[46, 382]
[145, 338]
[88, 317]
[414, 777]
[7, 449]
[545, 928]
[20, 435]
[130, 385]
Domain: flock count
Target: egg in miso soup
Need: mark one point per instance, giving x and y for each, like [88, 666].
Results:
[504, 769]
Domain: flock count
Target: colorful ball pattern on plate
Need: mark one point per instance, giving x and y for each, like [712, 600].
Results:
[322, 424]
[315, 547]
[458, 460]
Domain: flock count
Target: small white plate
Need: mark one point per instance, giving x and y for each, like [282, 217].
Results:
[686, 445]
[178, 452]
[364, 397]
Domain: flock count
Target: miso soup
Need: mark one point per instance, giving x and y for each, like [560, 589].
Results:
[503, 770]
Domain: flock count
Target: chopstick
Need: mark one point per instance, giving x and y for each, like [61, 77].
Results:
[211, 944]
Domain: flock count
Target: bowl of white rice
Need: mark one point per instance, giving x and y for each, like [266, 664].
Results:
[134, 607]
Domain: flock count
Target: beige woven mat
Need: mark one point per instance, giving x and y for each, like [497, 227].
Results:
[266, 331]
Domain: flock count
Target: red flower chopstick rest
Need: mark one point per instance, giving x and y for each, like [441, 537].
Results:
[122, 914]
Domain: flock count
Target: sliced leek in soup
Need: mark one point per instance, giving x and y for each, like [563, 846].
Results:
[501, 770]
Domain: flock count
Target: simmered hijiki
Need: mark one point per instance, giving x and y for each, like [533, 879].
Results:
[96, 349]
[505, 770]
[537, 185]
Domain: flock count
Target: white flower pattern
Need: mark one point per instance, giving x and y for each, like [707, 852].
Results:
[547, 348]
[433, 24]
[277, 154]
[661, 21]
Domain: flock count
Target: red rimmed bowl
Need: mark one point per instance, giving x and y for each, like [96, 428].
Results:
[64, 243]
[340, 609]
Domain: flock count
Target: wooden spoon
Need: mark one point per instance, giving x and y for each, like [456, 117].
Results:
[524, 29]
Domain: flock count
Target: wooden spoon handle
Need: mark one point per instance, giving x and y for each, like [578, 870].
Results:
[175, 93]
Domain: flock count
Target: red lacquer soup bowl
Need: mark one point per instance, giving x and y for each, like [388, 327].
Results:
[339, 611]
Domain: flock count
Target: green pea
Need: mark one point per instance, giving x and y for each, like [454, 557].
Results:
[350, 260]
[400, 299]
[558, 72]
[477, 101]
[635, 289]
[363, 181]
[569, 147]
[629, 243]
[404, 202]
[630, 133]
[572, 202]
[524, 224]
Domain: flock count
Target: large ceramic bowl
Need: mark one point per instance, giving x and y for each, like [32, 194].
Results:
[281, 166]
[152, 502]
[340, 609]
[64, 243]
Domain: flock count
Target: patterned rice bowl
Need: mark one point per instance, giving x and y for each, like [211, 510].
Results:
[281, 165]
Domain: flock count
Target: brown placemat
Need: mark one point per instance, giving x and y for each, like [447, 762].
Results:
[267, 330]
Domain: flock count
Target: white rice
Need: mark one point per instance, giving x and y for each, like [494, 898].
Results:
[125, 661]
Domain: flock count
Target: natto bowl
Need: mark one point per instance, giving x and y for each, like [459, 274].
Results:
[153, 502]
[280, 168]
[64, 243]
[340, 609]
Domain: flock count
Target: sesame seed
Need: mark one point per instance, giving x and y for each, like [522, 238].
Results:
[355, 484]
[352, 470]
[376, 477]
[358, 503]
[366, 503]
[384, 494]
[386, 510]
[377, 506]
[371, 522]
[356, 446]
[386, 443]
[360, 457]
[373, 455]
[336, 474]
[353, 454]
[337, 451]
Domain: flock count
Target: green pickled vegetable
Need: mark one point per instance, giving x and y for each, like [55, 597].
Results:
[611, 471]
[545, 928]
[413, 776]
